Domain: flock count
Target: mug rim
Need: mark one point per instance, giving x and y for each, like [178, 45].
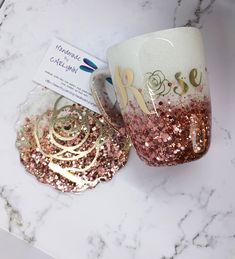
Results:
[149, 34]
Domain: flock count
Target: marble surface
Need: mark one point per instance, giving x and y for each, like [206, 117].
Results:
[180, 212]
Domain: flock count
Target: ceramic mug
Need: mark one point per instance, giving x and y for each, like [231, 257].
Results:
[161, 84]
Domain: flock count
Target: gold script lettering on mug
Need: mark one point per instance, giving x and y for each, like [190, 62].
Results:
[122, 88]
[124, 81]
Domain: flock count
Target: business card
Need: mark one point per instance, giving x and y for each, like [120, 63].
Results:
[66, 70]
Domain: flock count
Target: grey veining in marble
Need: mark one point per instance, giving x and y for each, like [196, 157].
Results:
[202, 8]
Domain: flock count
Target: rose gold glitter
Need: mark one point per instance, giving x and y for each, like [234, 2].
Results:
[60, 144]
[176, 133]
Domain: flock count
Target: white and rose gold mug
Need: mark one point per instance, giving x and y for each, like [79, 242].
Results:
[161, 84]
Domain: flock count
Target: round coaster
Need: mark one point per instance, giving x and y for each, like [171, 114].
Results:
[70, 147]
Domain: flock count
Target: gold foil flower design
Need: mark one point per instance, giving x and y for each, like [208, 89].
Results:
[64, 127]
[156, 85]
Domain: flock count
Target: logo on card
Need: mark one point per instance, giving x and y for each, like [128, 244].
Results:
[90, 67]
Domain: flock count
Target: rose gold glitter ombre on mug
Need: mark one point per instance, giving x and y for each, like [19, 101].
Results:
[161, 83]
[70, 147]
[169, 122]
[173, 134]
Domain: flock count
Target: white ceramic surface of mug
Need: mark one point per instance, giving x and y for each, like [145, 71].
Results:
[161, 84]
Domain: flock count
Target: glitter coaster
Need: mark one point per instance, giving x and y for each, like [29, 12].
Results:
[70, 147]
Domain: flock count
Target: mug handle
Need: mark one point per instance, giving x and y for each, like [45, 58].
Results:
[111, 114]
